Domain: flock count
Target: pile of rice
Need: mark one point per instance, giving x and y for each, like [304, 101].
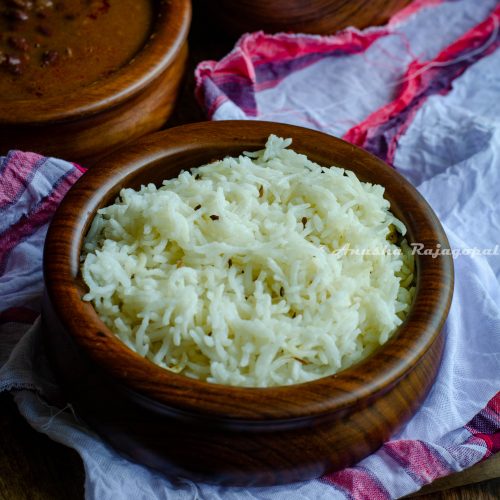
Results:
[245, 271]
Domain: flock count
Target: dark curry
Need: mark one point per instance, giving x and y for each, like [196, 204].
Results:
[50, 47]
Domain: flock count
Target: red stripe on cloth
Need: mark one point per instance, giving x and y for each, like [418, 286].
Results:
[275, 68]
[423, 462]
[18, 315]
[380, 132]
[485, 426]
[261, 61]
[218, 101]
[488, 419]
[419, 460]
[494, 405]
[16, 174]
[79, 167]
[38, 216]
[359, 483]
[489, 442]
[264, 48]
[484, 422]
[412, 9]
[493, 442]
[370, 129]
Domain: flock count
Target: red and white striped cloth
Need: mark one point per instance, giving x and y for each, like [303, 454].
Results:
[423, 93]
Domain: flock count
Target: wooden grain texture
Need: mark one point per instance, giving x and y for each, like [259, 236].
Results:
[238, 435]
[481, 472]
[489, 490]
[32, 467]
[301, 16]
[133, 101]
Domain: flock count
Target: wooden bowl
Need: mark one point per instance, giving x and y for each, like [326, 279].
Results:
[134, 100]
[301, 16]
[223, 434]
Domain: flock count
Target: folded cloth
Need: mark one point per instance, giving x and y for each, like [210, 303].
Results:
[419, 93]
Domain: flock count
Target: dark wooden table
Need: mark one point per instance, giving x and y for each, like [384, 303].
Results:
[32, 467]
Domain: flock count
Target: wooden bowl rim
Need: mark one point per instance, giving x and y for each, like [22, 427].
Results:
[361, 382]
[168, 34]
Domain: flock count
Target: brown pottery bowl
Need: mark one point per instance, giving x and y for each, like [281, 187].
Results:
[301, 16]
[222, 434]
[99, 117]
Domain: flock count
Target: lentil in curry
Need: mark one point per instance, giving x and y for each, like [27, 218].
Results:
[54, 47]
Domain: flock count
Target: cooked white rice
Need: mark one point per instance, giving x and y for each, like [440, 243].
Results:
[245, 271]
